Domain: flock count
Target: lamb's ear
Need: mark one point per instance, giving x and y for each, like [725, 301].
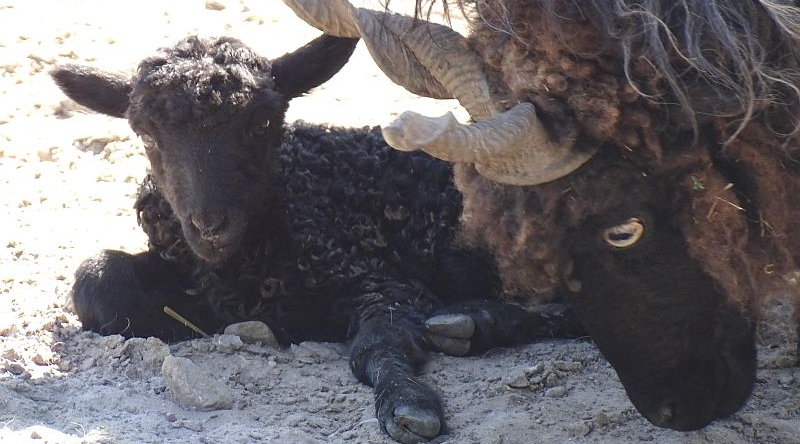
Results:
[312, 65]
[101, 91]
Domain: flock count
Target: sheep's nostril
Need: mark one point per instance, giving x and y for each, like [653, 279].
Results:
[209, 224]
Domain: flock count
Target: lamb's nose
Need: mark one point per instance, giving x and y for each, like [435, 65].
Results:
[209, 223]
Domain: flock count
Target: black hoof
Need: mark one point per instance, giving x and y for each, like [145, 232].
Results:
[412, 424]
[450, 333]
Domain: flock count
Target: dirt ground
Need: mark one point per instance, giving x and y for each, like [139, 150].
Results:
[68, 180]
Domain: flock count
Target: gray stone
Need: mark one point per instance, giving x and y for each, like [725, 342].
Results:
[253, 332]
[228, 343]
[556, 392]
[579, 429]
[193, 388]
[145, 356]
[516, 379]
[602, 419]
[315, 352]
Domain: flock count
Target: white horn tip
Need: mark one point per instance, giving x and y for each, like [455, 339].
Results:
[412, 131]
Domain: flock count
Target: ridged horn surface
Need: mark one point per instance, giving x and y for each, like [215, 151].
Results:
[432, 60]
[502, 147]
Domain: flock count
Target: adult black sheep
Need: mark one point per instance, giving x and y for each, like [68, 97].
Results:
[322, 233]
[639, 157]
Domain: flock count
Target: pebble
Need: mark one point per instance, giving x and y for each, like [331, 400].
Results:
[213, 5]
[228, 343]
[579, 429]
[147, 352]
[193, 388]
[11, 355]
[38, 359]
[552, 380]
[602, 419]
[556, 392]
[314, 352]
[15, 368]
[568, 366]
[535, 370]
[517, 379]
[253, 332]
[195, 426]
[141, 357]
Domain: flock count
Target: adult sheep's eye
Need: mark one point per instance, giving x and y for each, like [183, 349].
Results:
[625, 235]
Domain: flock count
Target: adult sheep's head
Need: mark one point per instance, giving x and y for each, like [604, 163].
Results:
[662, 207]
[210, 113]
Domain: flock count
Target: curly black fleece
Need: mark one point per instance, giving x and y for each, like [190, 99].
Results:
[336, 235]
[353, 217]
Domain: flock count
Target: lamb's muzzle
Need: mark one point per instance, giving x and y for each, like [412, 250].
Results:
[431, 60]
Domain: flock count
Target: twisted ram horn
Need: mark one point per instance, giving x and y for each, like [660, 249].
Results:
[433, 60]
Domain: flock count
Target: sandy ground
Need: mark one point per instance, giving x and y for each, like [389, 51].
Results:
[68, 179]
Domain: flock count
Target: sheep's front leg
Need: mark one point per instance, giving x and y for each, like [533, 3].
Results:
[476, 326]
[120, 293]
[387, 348]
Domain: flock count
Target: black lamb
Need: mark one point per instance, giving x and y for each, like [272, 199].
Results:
[322, 233]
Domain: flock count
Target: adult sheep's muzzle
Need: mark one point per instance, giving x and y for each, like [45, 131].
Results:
[697, 391]
[683, 366]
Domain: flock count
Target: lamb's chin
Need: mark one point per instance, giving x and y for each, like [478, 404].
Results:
[214, 255]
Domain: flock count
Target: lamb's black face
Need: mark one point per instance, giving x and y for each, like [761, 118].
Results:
[210, 113]
[684, 355]
[216, 171]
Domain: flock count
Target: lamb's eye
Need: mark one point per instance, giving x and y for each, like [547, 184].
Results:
[148, 142]
[625, 235]
[261, 128]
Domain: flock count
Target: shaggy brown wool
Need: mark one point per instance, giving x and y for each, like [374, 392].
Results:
[698, 94]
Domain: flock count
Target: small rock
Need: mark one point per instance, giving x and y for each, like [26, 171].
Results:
[579, 429]
[113, 344]
[314, 352]
[8, 330]
[35, 435]
[552, 380]
[228, 343]
[171, 417]
[601, 419]
[38, 359]
[145, 356]
[193, 388]
[535, 370]
[253, 332]
[195, 426]
[517, 379]
[213, 5]
[15, 368]
[556, 392]
[11, 355]
[566, 366]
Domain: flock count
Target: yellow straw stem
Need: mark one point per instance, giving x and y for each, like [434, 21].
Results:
[174, 315]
